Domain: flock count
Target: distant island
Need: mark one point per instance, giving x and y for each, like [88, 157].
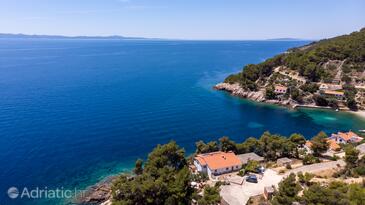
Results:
[329, 73]
[26, 36]
[284, 39]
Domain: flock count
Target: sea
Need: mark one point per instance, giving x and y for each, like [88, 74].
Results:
[73, 112]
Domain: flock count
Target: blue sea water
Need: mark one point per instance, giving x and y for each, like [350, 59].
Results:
[75, 111]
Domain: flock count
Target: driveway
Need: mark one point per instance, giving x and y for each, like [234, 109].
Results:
[235, 194]
[313, 168]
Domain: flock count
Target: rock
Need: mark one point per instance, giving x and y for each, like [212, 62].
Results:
[237, 90]
[97, 194]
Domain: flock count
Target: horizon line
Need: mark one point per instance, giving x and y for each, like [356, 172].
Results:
[121, 37]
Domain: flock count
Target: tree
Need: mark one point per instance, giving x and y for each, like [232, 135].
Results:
[269, 93]
[306, 178]
[138, 168]
[251, 166]
[296, 95]
[227, 145]
[352, 104]
[201, 147]
[336, 193]
[351, 157]
[251, 144]
[165, 179]
[288, 191]
[310, 87]
[310, 159]
[346, 78]
[211, 196]
[298, 139]
[320, 101]
[319, 144]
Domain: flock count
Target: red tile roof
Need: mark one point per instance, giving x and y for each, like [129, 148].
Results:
[218, 160]
[348, 135]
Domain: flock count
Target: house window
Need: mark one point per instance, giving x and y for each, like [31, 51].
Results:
[227, 168]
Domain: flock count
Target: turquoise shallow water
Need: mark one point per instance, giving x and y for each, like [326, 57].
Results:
[75, 111]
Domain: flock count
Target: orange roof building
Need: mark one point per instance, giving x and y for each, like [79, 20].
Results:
[346, 137]
[216, 163]
[333, 145]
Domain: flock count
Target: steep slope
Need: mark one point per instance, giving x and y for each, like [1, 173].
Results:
[329, 72]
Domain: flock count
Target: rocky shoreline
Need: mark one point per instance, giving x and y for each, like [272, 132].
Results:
[98, 194]
[258, 96]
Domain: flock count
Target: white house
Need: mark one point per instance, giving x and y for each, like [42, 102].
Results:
[328, 86]
[216, 163]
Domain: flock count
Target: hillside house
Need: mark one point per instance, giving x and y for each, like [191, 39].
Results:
[346, 137]
[216, 163]
[280, 89]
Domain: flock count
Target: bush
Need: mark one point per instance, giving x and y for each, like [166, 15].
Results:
[241, 173]
[309, 159]
[269, 93]
[310, 87]
[320, 101]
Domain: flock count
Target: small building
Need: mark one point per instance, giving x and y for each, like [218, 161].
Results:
[284, 161]
[268, 192]
[280, 89]
[250, 157]
[216, 163]
[339, 95]
[329, 86]
[346, 137]
[333, 145]
[308, 147]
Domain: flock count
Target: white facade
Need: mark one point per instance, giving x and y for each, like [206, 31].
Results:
[223, 170]
[199, 167]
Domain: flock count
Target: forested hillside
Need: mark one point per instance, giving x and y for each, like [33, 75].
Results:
[336, 61]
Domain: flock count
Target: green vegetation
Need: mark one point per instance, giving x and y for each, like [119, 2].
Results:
[270, 146]
[310, 159]
[355, 166]
[165, 179]
[316, 62]
[210, 196]
[319, 144]
[307, 60]
[251, 166]
[288, 191]
[336, 193]
[305, 179]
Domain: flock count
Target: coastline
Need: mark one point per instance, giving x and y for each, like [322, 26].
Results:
[258, 96]
[359, 113]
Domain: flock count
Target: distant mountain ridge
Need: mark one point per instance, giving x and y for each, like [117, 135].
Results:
[285, 39]
[27, 36]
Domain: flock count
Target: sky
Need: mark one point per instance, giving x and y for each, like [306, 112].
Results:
[184, 19]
